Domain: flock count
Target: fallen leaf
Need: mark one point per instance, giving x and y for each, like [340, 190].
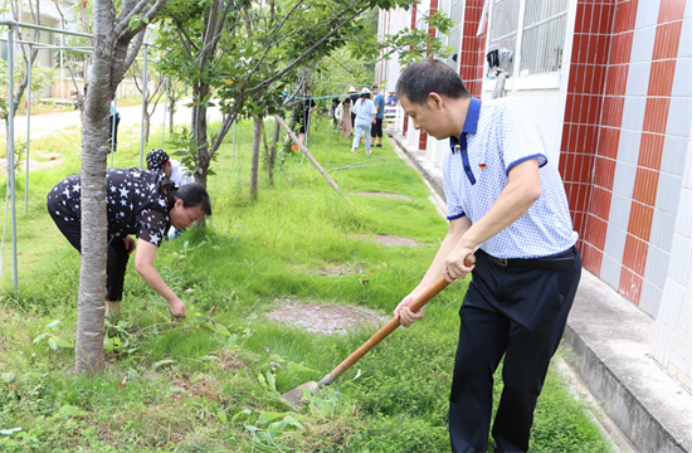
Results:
[257, 271]
[211, 310]
[125, 379]
[364, 282]
[384, 264]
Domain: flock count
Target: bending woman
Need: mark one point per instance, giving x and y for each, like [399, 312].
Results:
[143, 203]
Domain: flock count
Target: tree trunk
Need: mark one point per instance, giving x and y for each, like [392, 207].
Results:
[171, 111]
[199, 130]
[273, 153]
[147, 125]
[92, 279]
[254, 162]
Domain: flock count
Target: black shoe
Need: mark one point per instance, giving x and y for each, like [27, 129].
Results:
[378, 146]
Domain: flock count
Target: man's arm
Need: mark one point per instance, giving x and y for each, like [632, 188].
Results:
[456, 230]
[523, 189]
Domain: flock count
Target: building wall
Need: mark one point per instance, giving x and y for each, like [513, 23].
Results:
[623, 157]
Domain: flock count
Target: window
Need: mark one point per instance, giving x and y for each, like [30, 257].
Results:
[543, 37]
[542, 34]
[454, 9]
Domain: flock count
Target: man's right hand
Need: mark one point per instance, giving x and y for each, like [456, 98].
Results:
[405, 315]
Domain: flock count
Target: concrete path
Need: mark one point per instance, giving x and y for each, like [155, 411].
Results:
[610, 339]
[129, 116]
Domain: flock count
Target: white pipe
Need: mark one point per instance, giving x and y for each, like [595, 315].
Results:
[28, 132]
[144, 100]
[10, 146]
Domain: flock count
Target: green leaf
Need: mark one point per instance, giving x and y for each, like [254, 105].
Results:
[7, 377]
[60, 342]
[161, 363]
[9, 432]
[222, 330]
[243, 412]
[269, 417]
[68, 411]
[271, 381]
[40, 337]
[53, 325]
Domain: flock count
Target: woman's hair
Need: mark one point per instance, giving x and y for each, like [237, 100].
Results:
[347, 101]
[193, 195]
[365, 96]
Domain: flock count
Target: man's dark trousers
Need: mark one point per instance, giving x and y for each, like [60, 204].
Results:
[519, 312]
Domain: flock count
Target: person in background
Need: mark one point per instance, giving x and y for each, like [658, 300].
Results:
[158, 160]
[365, 119]
[114, 121]
[140, 203]
[308, 106]
[354, 96]
[377, 129]
[333, 111]
[343, 114]
[391, 99]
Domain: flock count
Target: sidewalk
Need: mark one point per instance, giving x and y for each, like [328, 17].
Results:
[608, 341]
[129, 116]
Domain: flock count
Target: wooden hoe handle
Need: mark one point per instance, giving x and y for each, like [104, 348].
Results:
[386, 330]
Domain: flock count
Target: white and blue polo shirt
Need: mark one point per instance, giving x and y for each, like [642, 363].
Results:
[498, 135]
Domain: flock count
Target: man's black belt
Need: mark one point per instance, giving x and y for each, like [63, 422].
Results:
[560, 261]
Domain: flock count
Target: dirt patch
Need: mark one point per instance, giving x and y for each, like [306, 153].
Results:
[341, 270]
[385, 195]
[388, 240]
[326, 319]
[34, 164]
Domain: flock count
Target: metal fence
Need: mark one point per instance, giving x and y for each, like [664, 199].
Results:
[543, 38]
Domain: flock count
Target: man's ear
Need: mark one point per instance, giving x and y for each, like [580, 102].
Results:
[435, 101]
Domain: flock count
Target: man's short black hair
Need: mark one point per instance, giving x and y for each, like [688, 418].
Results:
[430, 76]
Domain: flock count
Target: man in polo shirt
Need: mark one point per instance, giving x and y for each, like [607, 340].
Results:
[508, 209]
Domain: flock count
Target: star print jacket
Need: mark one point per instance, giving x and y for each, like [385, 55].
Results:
[135, 203]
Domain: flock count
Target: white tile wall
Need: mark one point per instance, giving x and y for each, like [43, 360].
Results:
[647, 15]
[671, 344]
[629, 146]
[657, 266]
[619, 211]
[638, 78]
[624, 180]
[682, 78]
[633, 113]
[685, 42]
[679, 121]
[615, 241]
[674, 155]
[668, 192]
[643, 43]
[611, 271]
[650, 299]
[662, 229]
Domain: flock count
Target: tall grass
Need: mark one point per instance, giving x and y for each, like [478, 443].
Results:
[186, 388]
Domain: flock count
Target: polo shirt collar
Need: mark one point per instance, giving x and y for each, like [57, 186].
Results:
[470, 123]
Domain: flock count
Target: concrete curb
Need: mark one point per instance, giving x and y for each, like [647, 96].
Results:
[610, 339]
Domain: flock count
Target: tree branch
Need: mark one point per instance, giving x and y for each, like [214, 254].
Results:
[300, 58]
[124, 23]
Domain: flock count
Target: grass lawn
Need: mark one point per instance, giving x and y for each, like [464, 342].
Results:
[202, 387]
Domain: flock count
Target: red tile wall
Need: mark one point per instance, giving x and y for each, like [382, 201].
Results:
[593, 113]
[471, 55]
[669, 24]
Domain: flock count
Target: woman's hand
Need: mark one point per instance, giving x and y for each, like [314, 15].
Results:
[130, 244]
[405, 315]
[177, 308]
